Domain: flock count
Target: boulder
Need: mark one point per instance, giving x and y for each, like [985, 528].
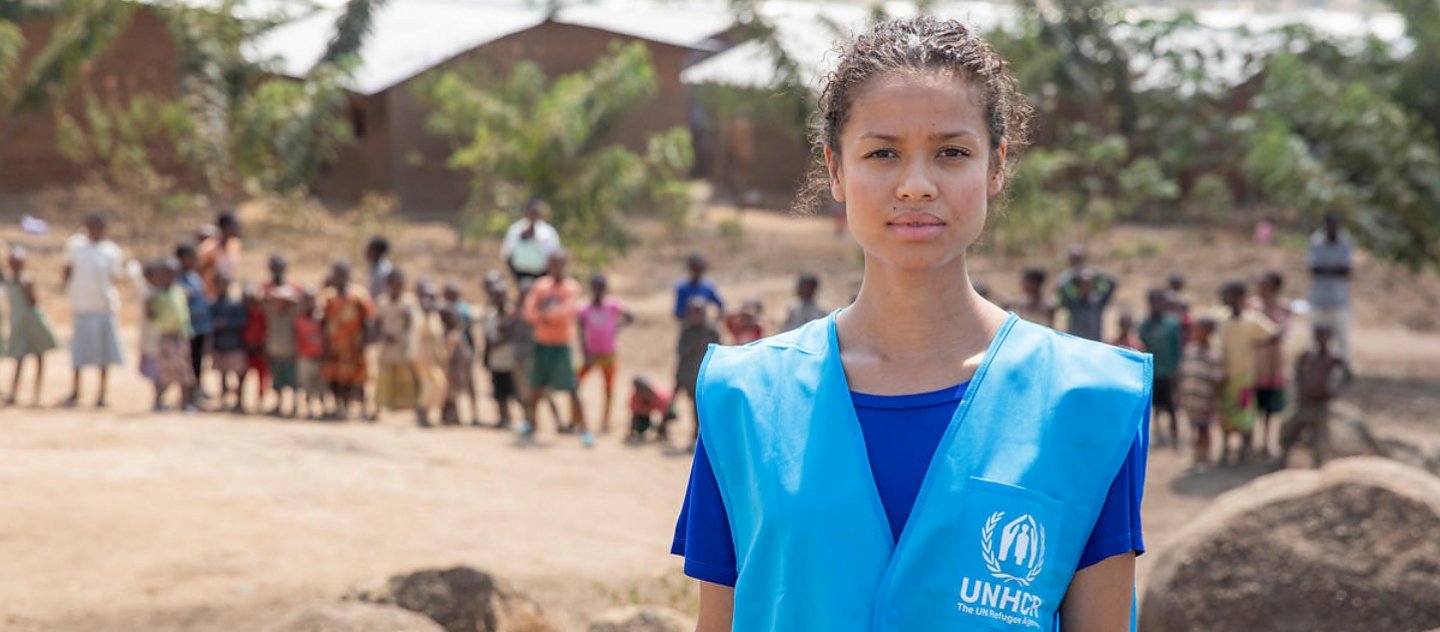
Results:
[353, 617]
[1352, 546]
[642, 619]
[460, 599]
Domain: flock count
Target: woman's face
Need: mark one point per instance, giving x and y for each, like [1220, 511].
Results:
[914, 169]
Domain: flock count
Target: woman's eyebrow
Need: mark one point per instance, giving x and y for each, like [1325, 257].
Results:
[949, 135]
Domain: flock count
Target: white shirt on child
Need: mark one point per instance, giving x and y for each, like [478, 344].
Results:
[94, 266]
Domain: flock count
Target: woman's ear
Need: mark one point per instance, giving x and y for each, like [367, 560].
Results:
[997, 171]
[837, 178]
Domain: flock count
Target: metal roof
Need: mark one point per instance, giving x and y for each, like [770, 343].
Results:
[807, 32]
[409, 37]
[690, 25]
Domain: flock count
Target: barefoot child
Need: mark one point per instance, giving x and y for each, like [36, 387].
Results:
[30, 332]
[428, 356]
[348, 310]
[1161, 334]
[310, 354]
[1202, 381]
[1240, 332]
[168, 314]
[280, 301]
[257, 332]
[395, 387]
[600, 323]
[500, 357]
[200, 321]
[1320, 376]
[1269, 356]
[551, 308]
[228, 342]
[466, 324]
[695, 339]
[646, 402]
[459, 365]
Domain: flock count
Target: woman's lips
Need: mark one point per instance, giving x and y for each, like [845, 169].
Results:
[916, 226]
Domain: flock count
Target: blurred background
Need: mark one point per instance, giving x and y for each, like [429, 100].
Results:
[1178, 145]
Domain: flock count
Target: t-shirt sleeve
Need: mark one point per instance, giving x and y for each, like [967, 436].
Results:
[1118, 529]
[702, 534]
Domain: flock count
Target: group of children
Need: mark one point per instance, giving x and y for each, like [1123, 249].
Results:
[311, 347]
[1225, 369]
[308, 350]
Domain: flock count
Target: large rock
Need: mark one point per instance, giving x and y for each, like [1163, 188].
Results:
[1352, 546]
[460, 599]
[642, 619]
[353, 617]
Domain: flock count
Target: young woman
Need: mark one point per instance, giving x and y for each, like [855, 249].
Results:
[920, 460]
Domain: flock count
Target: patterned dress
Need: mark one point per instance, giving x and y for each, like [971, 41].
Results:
[345, 318]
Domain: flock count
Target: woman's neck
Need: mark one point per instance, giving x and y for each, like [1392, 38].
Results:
[924, 317]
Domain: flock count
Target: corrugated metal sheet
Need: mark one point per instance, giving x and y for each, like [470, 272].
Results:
[807, 32]
[691, 25]
[411, 36]
[408, 37]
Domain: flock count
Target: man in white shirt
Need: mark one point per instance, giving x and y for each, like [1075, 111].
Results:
[92, 265]
[1329, 261]
[529, 243]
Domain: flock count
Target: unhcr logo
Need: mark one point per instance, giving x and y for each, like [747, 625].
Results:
[1019, 553]
[1014, 553]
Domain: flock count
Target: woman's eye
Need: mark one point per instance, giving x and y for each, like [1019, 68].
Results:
[955, 152]
[881, 153]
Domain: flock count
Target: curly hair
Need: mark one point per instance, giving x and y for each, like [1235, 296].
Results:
[921, 44]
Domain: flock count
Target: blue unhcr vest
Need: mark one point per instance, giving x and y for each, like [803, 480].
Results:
[1002, 516]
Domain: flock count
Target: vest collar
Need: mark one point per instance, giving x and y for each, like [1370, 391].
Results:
[835, 387]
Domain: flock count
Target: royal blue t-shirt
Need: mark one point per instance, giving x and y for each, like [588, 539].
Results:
[685, 291]
[902, 433]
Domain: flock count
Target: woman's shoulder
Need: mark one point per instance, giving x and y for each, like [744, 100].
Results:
[777, 355]
[1079, 362]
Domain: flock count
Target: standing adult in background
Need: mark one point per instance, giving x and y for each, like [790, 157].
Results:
[221, 254]
[1329, 261]
[92, 265]
[377, 255]
[529, 243]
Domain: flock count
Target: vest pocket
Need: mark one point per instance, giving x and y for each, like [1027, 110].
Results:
[1009, 578]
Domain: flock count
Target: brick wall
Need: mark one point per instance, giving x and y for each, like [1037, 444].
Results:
[142, 59]
[407, 160]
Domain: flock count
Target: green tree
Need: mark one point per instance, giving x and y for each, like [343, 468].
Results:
[1324, 146]
[83, 29]
[526, 136]
[1415, 86]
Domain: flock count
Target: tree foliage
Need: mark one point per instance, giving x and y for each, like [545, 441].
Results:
[83, 29]
[1330, 147]
[526, 136]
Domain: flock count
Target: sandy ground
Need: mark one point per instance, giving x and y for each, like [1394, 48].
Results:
[124, 520]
